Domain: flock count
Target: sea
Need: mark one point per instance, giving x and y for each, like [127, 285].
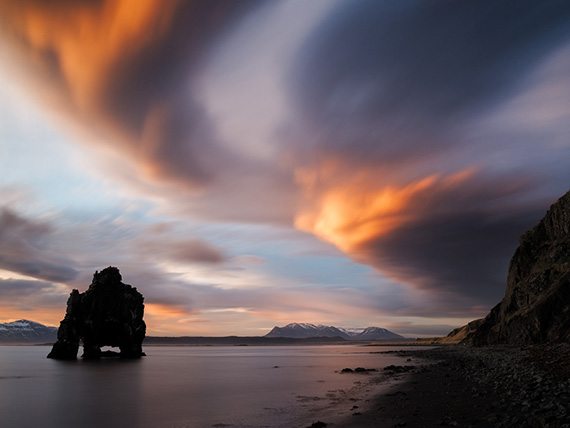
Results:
[190, 386]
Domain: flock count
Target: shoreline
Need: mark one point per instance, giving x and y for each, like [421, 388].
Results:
[451, 385]
[473, 387]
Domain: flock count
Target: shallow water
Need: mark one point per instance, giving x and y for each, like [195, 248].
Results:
[176, 387]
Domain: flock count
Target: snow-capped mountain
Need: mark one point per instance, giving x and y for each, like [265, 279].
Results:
[376, 333]
[24, 331]
[303, 330]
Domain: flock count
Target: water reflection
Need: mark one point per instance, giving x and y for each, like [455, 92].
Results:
[177, 386]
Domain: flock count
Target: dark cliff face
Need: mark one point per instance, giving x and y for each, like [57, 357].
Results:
[109, 313]
[536, 306]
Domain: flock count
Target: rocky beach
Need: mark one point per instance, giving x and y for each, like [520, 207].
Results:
[462, 386]
[509, 369]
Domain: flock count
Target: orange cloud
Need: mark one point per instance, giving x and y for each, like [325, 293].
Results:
[50, 317]
[363, 208]
[88, 39]
[166, 311]
[120, 69]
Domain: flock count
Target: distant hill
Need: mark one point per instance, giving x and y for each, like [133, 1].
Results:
[240, 340]
[30, 332]
[25, 331]
[305, 330]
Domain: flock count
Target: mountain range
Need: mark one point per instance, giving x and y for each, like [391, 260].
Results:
[30, 332]
[25, 331]
[305, 330]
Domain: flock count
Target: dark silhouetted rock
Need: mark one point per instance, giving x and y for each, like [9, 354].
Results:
[109, 313]
[317, 424]
[399, 369]
[536, 306]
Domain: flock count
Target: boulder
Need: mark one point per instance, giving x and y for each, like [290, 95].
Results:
[109, 313]
[536, 306]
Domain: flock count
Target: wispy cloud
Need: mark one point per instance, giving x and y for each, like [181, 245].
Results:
[24, 248]
[251, 162]
[397, 168]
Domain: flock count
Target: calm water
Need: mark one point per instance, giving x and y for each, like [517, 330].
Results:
[175, 387]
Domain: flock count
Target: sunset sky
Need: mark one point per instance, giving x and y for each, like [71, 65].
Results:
[248, 164]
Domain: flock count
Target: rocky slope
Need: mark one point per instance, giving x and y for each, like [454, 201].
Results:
[499, 386]
[536, 306]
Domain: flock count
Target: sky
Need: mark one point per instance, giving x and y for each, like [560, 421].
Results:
[247, 164]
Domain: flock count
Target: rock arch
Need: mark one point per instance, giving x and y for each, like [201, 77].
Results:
[109, 313]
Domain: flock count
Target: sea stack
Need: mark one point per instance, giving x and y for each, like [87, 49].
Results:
[536, 306]
[109, 313]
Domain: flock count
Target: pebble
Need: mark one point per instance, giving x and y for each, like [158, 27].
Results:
[530, 390]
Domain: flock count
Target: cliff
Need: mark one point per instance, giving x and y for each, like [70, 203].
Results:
[536, 306]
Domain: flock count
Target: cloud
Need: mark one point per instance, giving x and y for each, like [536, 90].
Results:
[123, 70]
[18, 287]
[466, 254]
[25, 248]
[196, 250]
[39, 300]
[250, 260]
[183, 251]
[446, 234]
[398, 146]
[380, 80]
[408, 329]
[419, 138]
